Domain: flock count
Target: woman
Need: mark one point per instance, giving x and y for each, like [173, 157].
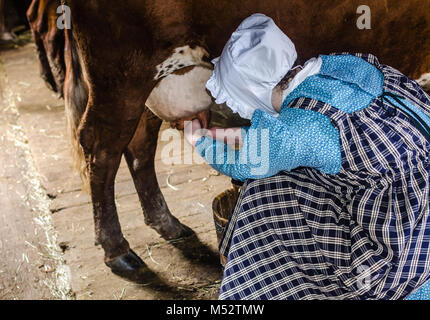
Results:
[338, 206]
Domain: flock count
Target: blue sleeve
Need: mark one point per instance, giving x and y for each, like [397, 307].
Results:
[297, 138]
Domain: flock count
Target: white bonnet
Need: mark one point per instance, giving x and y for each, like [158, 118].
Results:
[256, 57]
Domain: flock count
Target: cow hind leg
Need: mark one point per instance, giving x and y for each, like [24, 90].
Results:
[103, 144]
[140, 155]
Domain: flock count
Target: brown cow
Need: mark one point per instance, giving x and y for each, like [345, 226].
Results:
[126, 48]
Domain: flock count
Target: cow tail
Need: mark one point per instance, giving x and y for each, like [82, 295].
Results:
[76, 99]
[49, 43]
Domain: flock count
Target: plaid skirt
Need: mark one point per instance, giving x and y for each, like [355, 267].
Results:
[361, 234]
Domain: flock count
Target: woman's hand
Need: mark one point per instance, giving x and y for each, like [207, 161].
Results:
[193, 131]
[203, 116]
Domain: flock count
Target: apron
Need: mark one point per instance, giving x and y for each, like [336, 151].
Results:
[363, 233]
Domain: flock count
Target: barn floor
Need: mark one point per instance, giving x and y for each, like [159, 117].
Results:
[47, 246]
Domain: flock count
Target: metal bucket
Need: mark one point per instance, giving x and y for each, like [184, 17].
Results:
[222, 207]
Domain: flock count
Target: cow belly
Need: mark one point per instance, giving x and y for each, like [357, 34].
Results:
[181, 95]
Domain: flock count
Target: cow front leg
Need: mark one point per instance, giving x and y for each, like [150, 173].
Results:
[103, 145]
[4, 33]
[140, 155]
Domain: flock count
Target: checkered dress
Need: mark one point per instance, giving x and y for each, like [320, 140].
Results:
[363, 233]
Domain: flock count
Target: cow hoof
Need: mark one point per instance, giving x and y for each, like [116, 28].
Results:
[128, 266]
[6, 36]
[169, 228]
[181, 231]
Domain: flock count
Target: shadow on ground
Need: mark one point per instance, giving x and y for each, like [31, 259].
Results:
[197, 253]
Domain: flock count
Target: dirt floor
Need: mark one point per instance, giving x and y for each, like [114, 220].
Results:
[47, 246]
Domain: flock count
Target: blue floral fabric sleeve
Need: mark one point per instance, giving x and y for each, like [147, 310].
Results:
[297, 138]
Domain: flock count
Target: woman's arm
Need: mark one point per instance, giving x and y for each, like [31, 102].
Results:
[298, 138]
